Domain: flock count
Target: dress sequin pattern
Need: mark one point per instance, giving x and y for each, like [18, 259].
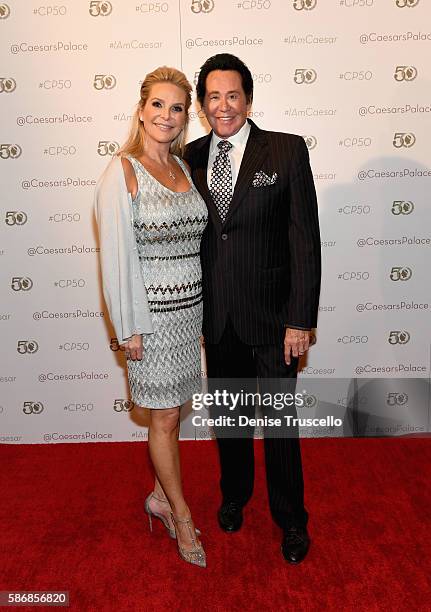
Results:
[168, 228]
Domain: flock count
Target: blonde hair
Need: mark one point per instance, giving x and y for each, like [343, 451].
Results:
[134, 144]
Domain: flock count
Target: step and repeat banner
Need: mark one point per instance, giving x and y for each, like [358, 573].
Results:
[351, 76]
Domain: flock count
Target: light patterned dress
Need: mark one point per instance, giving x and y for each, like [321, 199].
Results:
[168, 228]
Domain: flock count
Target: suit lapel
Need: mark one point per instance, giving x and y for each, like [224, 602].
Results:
[200, 179]
[200, 174]
[254, 156]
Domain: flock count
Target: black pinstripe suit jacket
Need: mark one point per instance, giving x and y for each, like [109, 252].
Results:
[262, 265]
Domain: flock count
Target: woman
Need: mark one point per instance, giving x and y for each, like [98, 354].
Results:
[150, 219]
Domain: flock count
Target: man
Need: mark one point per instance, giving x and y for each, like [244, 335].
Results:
[261, 279]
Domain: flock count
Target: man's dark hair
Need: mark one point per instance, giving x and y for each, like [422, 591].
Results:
[224, 61]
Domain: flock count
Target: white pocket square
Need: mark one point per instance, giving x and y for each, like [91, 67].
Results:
[261, 179]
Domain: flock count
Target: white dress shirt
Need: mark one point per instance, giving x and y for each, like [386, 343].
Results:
[236, 153]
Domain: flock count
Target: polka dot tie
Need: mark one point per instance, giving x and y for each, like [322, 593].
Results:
[221, 179]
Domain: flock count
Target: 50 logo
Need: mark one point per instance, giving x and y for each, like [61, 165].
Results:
[406, 3]
[397, 399]
[304, 5]
[400, 274]
[310, 401]
[401, 207]
[4, 11]
[15, 217]
[122, 405]
[405, 73]
[114, 344]
[404, 140]
[106, 147]
[305, 75]
[195, 78]
[10, 151]
[27, 347]
[21, 283]
[202, 6]
[100, 8]
[32, 407]
[7, 84]
[311, 142]
[104, 81]
[398, 337]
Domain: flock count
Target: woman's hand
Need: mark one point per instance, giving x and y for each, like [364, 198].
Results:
[133, 347]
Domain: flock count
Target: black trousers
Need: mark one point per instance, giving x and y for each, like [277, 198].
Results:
[231, 358]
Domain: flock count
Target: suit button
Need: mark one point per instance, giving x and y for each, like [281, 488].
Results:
[224, 236]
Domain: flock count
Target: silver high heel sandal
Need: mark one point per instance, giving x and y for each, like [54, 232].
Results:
[195, 556]
[162, 517]
[151, 513]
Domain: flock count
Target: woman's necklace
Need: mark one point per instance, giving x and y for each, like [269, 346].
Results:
[171, 173]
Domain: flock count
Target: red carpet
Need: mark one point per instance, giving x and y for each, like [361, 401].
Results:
[72, 519]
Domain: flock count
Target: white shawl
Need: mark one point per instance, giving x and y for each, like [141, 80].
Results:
[123, 286]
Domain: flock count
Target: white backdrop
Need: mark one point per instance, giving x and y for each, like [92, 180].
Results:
[351, 76]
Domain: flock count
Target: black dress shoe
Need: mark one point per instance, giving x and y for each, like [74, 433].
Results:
[295, 545]
[230, 517]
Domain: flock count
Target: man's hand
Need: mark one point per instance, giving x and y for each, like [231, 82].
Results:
[133, 347]
[296, 343]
